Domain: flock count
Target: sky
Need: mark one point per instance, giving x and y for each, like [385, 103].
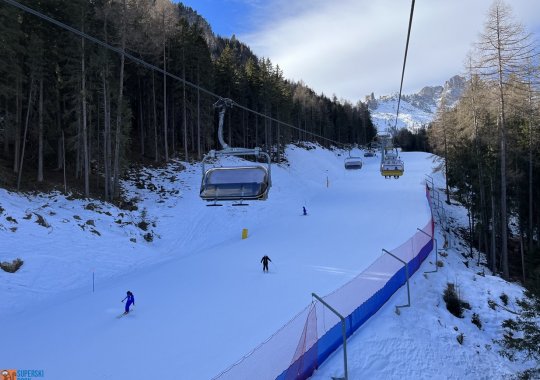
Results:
[352, 48]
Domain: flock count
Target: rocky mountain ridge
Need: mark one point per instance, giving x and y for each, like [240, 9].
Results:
[416, 110]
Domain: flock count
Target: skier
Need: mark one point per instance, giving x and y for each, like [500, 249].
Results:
[130, 300]
[305, 211]
[265, 261]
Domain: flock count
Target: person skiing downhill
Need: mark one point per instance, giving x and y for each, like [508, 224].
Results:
[265, 261]
[304, 209]
[130, 300]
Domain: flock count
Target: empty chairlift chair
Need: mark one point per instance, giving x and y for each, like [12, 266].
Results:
[234, 183]
[354, 163]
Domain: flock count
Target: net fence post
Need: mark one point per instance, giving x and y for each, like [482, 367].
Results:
[436, 251]
[407, 276]
[344, 332]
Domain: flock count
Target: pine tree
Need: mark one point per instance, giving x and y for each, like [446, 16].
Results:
[503, 49]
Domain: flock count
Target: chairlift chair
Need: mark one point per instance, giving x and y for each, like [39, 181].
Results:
[392, 168]
[354, 163]
[234, 183]
[369, 153]
[381, 135]
[391, 165]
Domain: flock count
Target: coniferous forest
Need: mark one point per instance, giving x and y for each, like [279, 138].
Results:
[76, 115]
[490, 141]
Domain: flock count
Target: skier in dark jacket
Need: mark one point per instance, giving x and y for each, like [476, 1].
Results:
[265, 261]
[305, 211]
[130, 300]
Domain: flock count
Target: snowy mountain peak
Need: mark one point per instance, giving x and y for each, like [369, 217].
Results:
[416, 110]
[453, 89]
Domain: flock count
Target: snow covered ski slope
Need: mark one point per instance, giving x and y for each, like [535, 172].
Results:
[203, 300]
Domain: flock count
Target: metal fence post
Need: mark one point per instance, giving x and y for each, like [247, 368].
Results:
[406, 274]
[343, 330]
[436, 250]
[431, 178]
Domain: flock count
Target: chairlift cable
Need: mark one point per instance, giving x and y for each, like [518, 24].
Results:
[286, 124]
[404, 61]
[155, 68]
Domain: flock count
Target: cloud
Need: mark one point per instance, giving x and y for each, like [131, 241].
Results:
[354, 47]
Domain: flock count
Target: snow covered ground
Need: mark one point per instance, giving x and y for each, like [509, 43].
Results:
[422, 342]
[202, 301]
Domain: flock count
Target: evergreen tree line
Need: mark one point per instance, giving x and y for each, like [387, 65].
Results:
[416, 141]
[490, 141]
[73, 111]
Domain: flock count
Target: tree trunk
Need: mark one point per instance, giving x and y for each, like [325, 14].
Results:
[268, 147]
[256, 130]
[522, 256]
[84, 126]
[119, 109]
[7, 125]
[64, 161]
[184, 110]
[173, 122]
[106, 140]
[493, 237]
[165, 131]
[18, 121]
[504, 221]
[78, 161]
[141, 120]
[60, 152]
[446, 166]
[156, 154]
[244, 131]
[28, 109]
[531, 166]
[40, 133]
[278, 142]
[229, 135]
[97, 145]
[199, 152]
[476, 152]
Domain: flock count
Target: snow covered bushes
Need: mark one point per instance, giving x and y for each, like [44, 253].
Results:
[476, 320]
[523, 334]
[11, 267]
[453, 303]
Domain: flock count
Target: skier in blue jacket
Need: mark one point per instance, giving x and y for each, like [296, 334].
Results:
[130, 300]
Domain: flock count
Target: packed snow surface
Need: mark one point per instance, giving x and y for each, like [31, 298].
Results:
[202, 301]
